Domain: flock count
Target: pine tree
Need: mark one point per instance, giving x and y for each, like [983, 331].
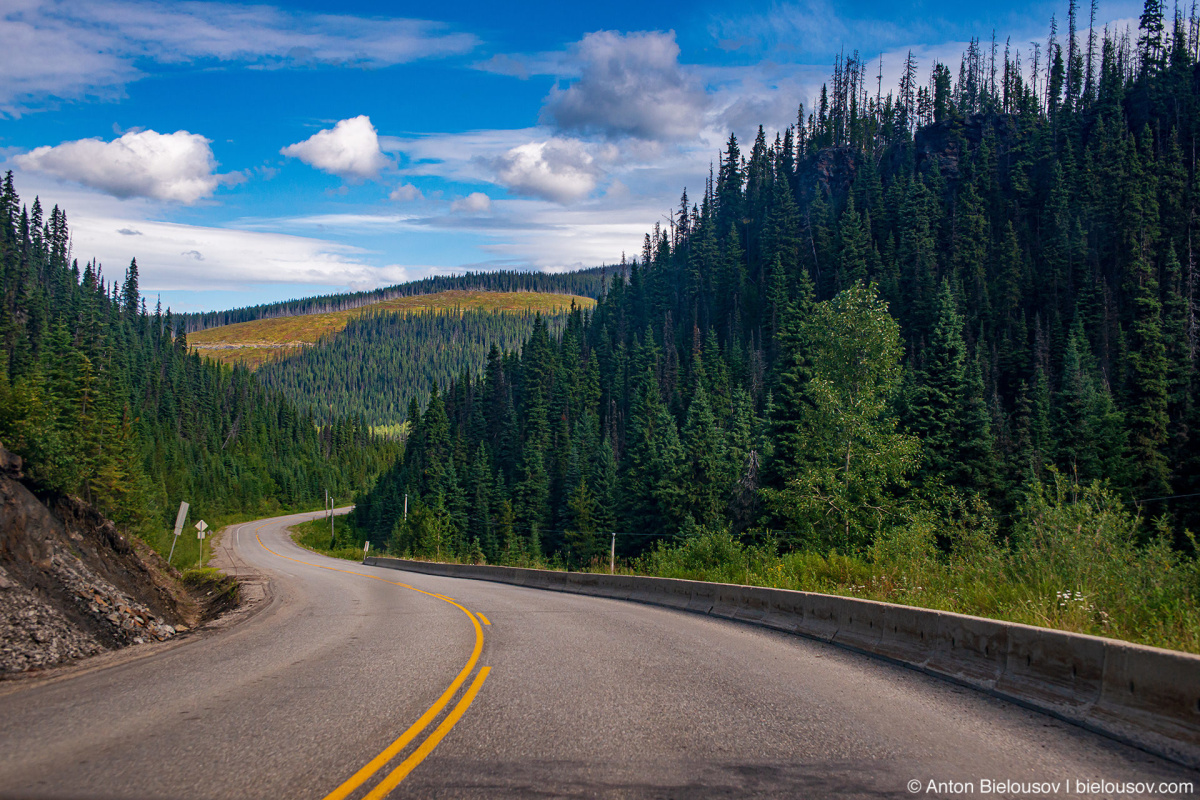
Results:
[582, 539]
[937, 407]
[854, 246]
[1148, 383]
[130, 296]
[703, 476]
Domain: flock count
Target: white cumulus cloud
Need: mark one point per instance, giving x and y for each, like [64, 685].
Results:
[630, 85]
[474, 203]
[559, 169]
[406, 193]
[178, 167]
[349, 150]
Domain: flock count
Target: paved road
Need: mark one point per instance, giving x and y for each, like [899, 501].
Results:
[553, 695]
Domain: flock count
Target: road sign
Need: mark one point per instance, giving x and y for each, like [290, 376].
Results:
[179, 520]
[201, 527]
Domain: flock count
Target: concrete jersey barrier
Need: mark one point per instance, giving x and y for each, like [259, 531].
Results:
[1144, 696]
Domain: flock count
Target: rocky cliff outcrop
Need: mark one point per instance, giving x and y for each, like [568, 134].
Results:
[71, 585]
[941, 146]
[944, 145]
[831, 171]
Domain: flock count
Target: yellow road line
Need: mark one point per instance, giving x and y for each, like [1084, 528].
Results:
[410, 763]
[482, 618]
[391, 751]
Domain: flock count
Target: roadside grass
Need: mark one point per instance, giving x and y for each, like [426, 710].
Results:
[258, 341]
[314, 535]
[186, 556]
[1160, 612]
[187, 550]
[1075, 559]
[1154, 602]
[212, 579]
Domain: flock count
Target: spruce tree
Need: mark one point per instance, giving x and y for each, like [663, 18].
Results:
[1148, 382]
[938, 403]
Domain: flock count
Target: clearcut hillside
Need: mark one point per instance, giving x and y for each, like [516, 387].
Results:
[258, 341]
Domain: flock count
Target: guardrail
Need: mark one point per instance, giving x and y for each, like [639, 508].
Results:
[1144, 696]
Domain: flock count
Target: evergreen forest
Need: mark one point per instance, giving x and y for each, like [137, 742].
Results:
[378, 362]
[920, 324]
[101, 399]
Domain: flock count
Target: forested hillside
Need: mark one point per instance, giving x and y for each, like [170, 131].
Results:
[269, 339]
[101, 398]
[899, 317]
[379, 362]
[587, 282]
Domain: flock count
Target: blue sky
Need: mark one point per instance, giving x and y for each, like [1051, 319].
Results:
[246, 153]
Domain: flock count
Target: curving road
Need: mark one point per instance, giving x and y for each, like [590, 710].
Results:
[353, 681]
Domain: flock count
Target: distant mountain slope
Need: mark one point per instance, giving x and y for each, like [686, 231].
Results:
[381, 362]
[586, 282]
[257, 341]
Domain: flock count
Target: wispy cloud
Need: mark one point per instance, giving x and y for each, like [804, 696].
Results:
[191, 257]
[76, 48]
[807, 29]
[525, 65]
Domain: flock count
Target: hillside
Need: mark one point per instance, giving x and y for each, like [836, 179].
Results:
[585, 282]
[255, 342]
[382, 361]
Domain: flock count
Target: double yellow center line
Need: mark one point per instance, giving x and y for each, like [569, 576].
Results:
[426, 747]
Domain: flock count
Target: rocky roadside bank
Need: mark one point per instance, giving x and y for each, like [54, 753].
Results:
[71, 586]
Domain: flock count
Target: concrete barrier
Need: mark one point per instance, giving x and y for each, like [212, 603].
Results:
[1144, 696]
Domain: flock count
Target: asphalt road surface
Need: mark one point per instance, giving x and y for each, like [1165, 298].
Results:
[355, 681]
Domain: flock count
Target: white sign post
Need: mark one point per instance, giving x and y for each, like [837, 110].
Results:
[366, 547]
[180, 518]
[201, 527]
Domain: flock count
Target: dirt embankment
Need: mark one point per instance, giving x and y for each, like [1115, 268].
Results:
[72, 586]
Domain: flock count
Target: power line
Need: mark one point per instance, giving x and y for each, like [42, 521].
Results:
[1166, 497]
